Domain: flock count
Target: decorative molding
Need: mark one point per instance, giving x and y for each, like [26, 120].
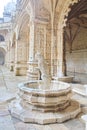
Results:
[65, 12]
[43, 15]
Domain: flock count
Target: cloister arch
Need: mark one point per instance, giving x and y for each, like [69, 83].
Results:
[26, 13]
[23, 36]
[22, 45]
[62, 18]
[62, 23]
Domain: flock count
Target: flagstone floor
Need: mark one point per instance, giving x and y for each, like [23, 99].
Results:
[8, 92]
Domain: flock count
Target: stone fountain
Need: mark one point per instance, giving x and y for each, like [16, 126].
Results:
[44, 101]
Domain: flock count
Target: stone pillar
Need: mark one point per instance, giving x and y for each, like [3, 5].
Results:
[16, 58]
[12, 58]
[7, 59]
[32, 73]
[38, 43]
[60, 62]
[52, 43]
[20, 58]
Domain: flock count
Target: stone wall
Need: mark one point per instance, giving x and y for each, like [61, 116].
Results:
[77, 60]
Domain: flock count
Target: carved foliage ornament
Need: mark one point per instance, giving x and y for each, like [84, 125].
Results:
[65, 11]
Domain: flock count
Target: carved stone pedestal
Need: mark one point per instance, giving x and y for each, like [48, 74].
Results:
[32, 116]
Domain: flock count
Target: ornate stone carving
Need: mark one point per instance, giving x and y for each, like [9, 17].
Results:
[65, 11]
[43, 14]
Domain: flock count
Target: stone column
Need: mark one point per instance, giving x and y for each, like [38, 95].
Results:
[7, 59]
[16, 58]
[32, 64]
[60, 62]
[20, 58]
[12, 58]
[38, 43]
[52, 43]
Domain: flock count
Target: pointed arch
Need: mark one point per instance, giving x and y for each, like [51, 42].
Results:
[65, 11]
[26, 15]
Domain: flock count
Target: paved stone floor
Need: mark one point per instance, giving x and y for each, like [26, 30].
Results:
[8, 92]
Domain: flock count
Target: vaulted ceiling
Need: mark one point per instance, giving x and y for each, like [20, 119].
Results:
[78, 14]
[78, 9]
[52, 4]
[77, 19]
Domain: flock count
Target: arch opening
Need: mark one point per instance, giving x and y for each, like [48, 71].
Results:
[75, 42]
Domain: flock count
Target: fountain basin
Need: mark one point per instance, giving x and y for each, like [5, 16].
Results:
[54, 99]
[42, 106]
